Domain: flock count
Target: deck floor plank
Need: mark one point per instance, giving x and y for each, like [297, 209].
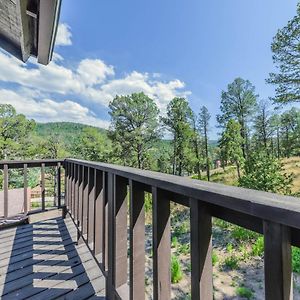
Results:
[44, 261]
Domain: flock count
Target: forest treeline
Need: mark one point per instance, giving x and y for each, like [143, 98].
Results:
[254, 136]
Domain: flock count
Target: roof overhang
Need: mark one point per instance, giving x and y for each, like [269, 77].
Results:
[28, 28]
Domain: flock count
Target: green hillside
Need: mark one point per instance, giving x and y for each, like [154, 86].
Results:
[66, 131]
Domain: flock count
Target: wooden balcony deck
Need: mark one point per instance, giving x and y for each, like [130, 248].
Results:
[42, 260]
[107, 204]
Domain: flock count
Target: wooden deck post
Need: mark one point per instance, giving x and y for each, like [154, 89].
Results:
[43, 192]
[69, 186]
[5, 190]
[161, 245]
[25, 189]
[137, 241]
[59, 185]
[201, 248]
[278, 265]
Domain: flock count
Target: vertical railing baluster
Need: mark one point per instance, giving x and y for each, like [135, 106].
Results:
[98, 215]
[120, 218]
[91, 207]
[117, 236]
[110, 237]
[105, 223]
[278, 262]
[79, 196]
[85, 200]
[72, 189]
[161, 245]
[137, 241]
[201, 251]
[58, 180]
[69, 186]
[25, 189]
[43, 185]
[66, 184]
[5, 190]
[75, 192]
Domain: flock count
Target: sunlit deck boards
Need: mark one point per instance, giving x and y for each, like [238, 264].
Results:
[43, 261]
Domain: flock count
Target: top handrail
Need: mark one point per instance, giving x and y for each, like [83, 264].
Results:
[263, 205]
[19, 164]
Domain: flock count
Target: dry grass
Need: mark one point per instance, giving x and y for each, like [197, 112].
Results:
[229, 175]
[292, 166]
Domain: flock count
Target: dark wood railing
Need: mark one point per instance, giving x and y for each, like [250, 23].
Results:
[5, 166]
[96, 197]
[99, 196]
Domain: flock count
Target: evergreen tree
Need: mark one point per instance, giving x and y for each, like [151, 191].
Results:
[265, 173]
[275, 127]
[14, 133]
[262, 126]
[290, 121]
[92, 145]
[230, 145]
[178, 122]
[203, 122]
[286, 57]
[134, 128]
[239, 102]
[196, 145]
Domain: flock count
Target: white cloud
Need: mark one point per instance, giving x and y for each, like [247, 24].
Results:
[94, 71]
[47, 110]
[64, 35]
[161, 92]
[37, 87]
[92, 80]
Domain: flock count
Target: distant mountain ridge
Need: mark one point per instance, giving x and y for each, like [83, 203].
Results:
[69, 131]
[66, 131]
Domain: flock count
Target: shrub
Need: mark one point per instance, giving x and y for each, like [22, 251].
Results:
[258, 247]
[244, 292]
[229, 248]
[231, 262]
[221, 223]
[214, 258]
[296, 259]
[148, 203]
[266, 173]
[176, 273]
[242, 234]
[184, 249]
[243, 251]
[174, 242]
[181, 229]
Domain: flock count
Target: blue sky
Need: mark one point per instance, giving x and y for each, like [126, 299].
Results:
[164, 48]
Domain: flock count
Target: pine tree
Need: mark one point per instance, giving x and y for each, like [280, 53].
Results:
[239, 102]
[230, 145]
[178, 122]
[203, 122]
[286, 57]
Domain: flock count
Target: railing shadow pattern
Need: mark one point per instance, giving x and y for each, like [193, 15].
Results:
[43, 261]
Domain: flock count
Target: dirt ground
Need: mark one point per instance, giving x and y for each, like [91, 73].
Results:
[247, 276]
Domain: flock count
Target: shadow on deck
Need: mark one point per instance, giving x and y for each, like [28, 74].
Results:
[43, 261]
